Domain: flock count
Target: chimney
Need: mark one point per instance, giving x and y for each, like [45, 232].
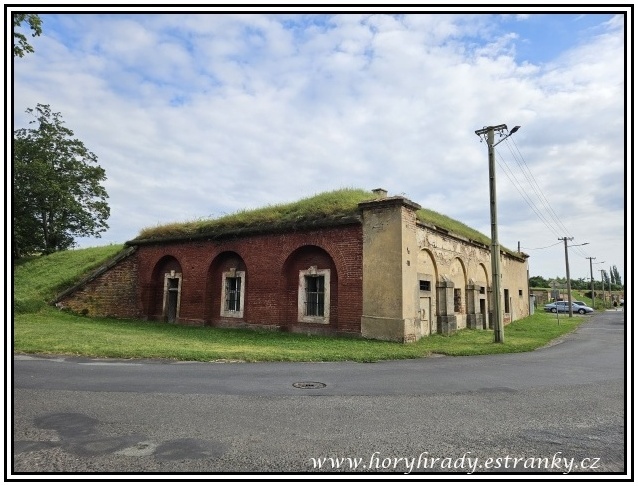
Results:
[380, 193]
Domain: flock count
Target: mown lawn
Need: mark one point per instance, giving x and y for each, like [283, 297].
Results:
[55, 332]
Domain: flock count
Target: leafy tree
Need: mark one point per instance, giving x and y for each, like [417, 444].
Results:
[615, 276]
[20, 44]
[538, 282]
[579, 284]
[57, 194]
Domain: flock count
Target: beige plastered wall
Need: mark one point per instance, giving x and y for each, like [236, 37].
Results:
[400, 255]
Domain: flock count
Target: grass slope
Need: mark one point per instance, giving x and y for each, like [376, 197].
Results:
[325, 206]
[37, 280]
[328, 205]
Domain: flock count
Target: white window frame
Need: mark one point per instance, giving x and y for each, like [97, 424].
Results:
[232, 273]
[170, 276]
[301, 296]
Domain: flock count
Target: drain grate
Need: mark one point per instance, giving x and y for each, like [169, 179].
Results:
[308, 384]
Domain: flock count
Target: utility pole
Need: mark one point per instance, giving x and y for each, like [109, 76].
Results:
[569, 285]
[602, 282]
[495, 247]
[591, 276]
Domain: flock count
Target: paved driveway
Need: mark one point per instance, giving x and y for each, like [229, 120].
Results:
[559, 409]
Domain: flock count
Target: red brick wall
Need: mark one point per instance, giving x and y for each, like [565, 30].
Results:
[113, 293]
[272, 263]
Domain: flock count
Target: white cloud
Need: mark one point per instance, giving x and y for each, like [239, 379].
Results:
[200, 115]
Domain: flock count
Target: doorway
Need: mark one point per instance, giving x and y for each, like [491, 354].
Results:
[483, 311]
[172, 288]
[426, 318]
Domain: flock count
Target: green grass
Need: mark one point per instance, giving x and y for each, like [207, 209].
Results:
[55, 332]
[331, 205]
[41, 329]
[328, 205]
[37, 280]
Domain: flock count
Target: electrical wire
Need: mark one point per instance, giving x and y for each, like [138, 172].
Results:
[541, 248]
[529, 176]
[556, 227]
[521, 190]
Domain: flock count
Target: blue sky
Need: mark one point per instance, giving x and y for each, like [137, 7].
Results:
[541, 38]
[199, 115]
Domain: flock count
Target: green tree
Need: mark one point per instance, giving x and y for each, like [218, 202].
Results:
[579, 284]
[57, 191]
[538, 282]
[20, 44]
[615, 276]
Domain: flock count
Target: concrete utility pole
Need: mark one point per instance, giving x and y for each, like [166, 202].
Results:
[495, 247]
[569, 286]
[591, 276]
[602, 283]
[593, 284]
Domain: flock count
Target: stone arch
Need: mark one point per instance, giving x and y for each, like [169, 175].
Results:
[166, 279]
[458, 275]
[428, 276]
[484, 274]
[426, 264]
[226, 268]
[310, 289]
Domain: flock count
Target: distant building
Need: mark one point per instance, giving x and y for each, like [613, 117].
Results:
[379, 271]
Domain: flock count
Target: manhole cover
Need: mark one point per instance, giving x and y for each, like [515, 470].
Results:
[309, 384]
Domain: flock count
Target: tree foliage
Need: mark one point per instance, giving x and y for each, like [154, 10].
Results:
[610, 281]
[538, 282]
[57, 191]
[615, 276]
[20, 44]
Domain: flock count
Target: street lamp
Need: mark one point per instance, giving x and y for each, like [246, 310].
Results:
[569, 286]
[488, 133]
[602, 283]
[591, 276]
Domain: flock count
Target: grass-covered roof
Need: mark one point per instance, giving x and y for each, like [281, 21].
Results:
[324, 209]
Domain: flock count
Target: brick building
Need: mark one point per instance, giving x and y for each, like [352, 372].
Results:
[380, 270]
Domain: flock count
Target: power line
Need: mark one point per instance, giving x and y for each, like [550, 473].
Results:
[534, 185]
[557, 227]
[541, 248]
[526, 198]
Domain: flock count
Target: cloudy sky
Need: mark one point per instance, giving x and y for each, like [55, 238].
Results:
[197, 115]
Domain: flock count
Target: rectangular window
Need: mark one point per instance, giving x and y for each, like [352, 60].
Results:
[233, 290]
[315, 295]
[233, 294]
[506, 295]
[482, 290]
[424, 285]
[520, 292]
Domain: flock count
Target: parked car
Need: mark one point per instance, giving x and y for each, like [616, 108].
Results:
[562, 306]
[577, 302]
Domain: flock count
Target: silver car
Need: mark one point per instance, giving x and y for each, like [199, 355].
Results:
[563, 306]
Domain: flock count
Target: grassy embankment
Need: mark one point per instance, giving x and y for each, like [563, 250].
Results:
[40, 328]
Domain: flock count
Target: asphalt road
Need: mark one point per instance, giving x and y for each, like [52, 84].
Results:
[560, 409]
